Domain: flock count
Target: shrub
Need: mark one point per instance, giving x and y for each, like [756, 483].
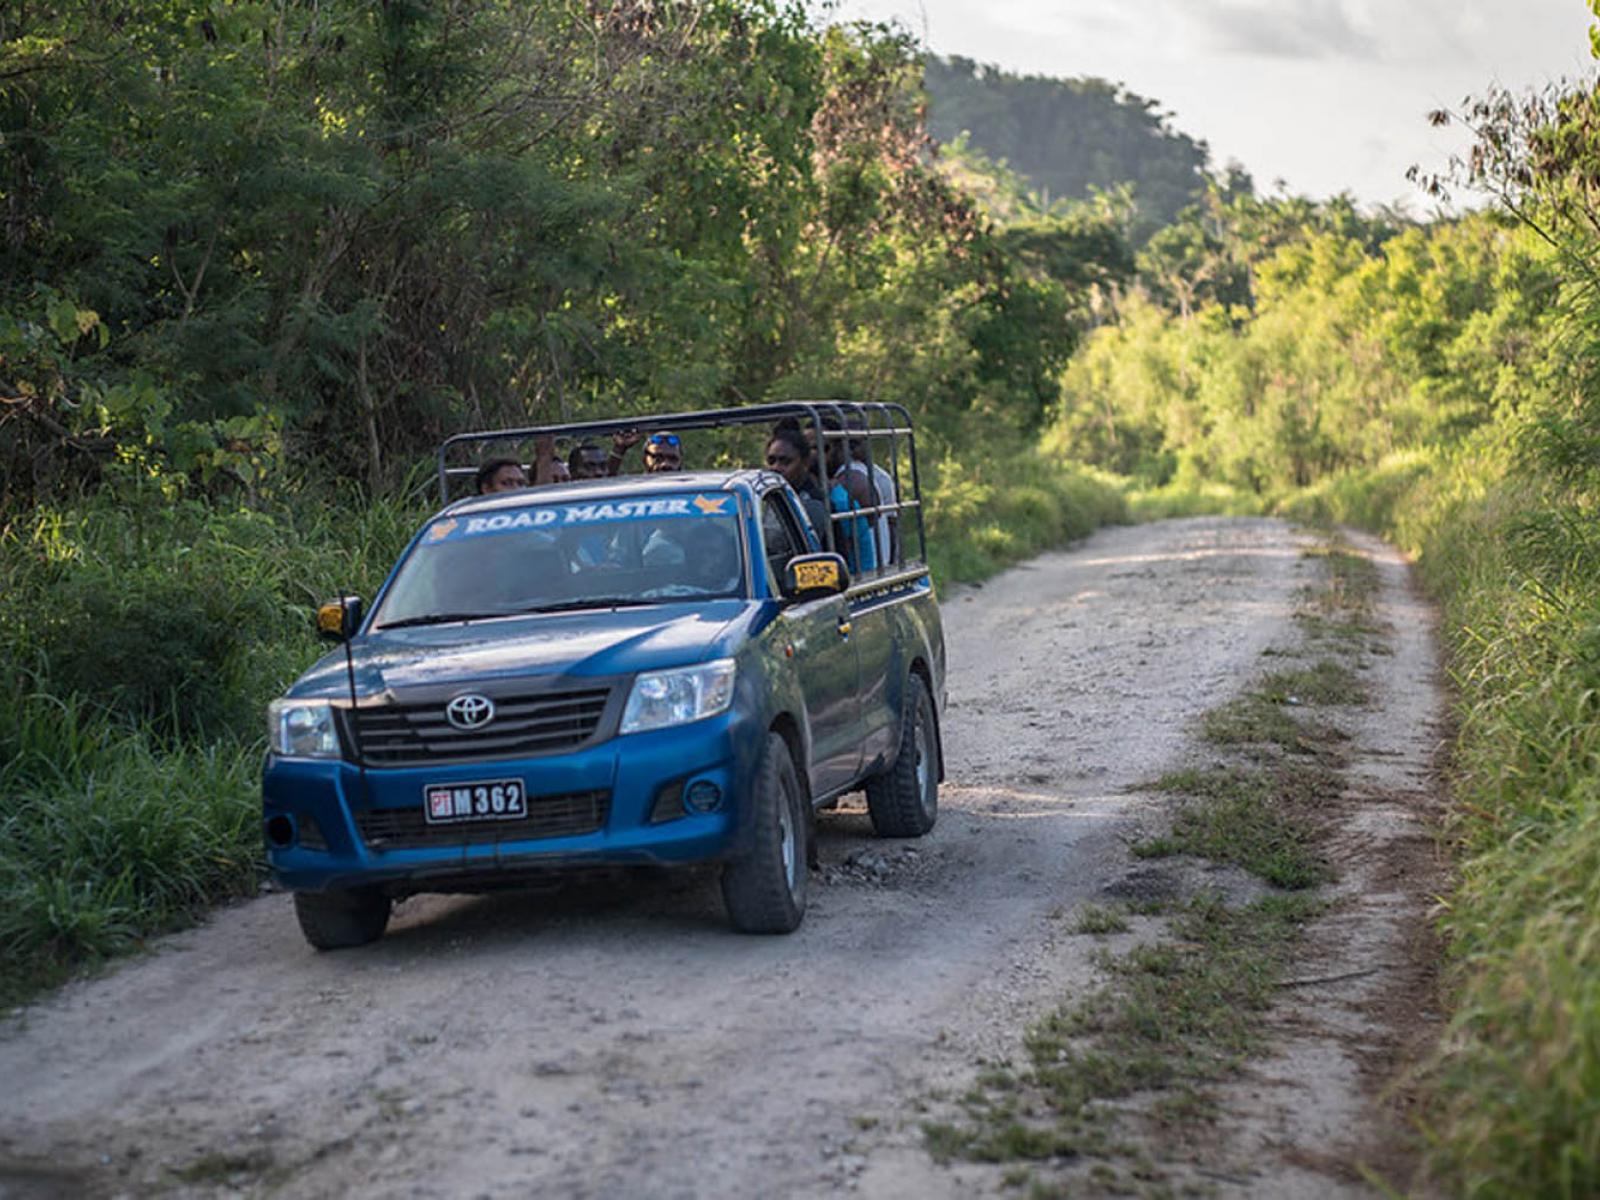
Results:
[155, 644]
[986, 515]
[139, 646]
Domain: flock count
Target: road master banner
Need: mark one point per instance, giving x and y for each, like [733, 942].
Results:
[565, 516]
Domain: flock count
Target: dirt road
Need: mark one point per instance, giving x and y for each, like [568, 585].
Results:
[624, 1043]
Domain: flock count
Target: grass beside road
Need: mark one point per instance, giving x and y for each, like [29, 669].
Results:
[1130, 1065]
[1511, 550]
[1172, 1017]
[107, 836]
[983, 516]
[139, 646]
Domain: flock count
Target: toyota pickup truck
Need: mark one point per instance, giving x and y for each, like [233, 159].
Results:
[659, 669]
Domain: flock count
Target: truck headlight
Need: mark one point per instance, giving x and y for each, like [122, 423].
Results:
[663, 698]
[302, 729]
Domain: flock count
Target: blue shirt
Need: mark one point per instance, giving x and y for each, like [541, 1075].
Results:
[854, 535]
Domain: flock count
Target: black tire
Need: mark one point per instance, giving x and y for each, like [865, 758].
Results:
[903, 801]
[765, 890]
[341, 919]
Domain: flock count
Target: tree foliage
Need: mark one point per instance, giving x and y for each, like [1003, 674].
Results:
[242, 235]
[1271, 344]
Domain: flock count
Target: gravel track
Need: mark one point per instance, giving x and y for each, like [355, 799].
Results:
[616, 1039]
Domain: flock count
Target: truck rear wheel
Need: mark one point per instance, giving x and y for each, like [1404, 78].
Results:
[765, 891]
[904, 800]
[341, 919]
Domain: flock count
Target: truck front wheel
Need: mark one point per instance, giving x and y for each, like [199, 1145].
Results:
[765, 890]
[904, 800]
[341, 919]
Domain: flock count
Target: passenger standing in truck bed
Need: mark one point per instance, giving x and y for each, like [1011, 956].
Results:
[880, 487]
[849, 491]
[663, 451]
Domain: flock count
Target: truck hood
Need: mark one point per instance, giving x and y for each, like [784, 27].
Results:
[589, 643]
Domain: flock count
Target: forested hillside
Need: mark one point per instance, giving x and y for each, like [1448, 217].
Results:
[1070, 137]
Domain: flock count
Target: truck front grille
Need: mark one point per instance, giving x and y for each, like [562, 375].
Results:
[548, 816]
[417, 734]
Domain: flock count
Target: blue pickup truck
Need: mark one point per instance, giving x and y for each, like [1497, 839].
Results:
[655, 669]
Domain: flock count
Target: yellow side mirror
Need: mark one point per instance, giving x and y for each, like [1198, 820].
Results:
[338, 620]
[808, 576]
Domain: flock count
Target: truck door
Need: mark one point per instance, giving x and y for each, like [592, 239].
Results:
[875, 616]
[824, 655]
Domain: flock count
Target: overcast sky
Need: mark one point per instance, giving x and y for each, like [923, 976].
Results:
[1326, 95]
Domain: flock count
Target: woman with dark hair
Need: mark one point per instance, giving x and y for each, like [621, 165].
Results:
[790, 456]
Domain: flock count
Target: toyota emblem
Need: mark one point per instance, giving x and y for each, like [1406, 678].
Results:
[471, 711]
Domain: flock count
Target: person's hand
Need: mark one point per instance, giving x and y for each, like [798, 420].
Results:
[545, 467]
[621, 442]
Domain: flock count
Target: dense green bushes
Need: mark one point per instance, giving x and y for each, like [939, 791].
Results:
[1347, 349]
[986, 515]
[480, 215]
[139, 643]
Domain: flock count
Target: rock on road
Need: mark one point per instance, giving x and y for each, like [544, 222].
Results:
[618, 1040]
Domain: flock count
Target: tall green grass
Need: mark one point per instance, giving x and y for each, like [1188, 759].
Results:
[985, 514]
[109, 834]
[139, 644]
[1515, 563]
[1183, 498]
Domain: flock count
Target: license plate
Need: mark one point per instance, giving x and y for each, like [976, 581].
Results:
[460, 803]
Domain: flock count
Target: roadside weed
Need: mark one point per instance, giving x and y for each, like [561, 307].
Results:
[1260, 819]
[1099, 919]
[1326, 682]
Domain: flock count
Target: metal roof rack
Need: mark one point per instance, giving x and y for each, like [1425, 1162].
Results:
[864, 422]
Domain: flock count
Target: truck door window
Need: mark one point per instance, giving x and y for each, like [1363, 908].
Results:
[779, 534]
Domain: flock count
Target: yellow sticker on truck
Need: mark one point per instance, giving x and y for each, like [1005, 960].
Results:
[808, 575]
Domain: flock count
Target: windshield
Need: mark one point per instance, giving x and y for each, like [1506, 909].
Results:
[551, 557]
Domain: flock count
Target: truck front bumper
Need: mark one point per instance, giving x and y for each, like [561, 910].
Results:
[624, 802]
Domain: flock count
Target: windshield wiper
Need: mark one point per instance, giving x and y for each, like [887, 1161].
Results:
[591, 602]
[440, 619]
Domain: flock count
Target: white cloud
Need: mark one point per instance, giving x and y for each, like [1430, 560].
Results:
[1305, 29]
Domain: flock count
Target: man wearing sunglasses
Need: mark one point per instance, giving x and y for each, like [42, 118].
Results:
[663, 451]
